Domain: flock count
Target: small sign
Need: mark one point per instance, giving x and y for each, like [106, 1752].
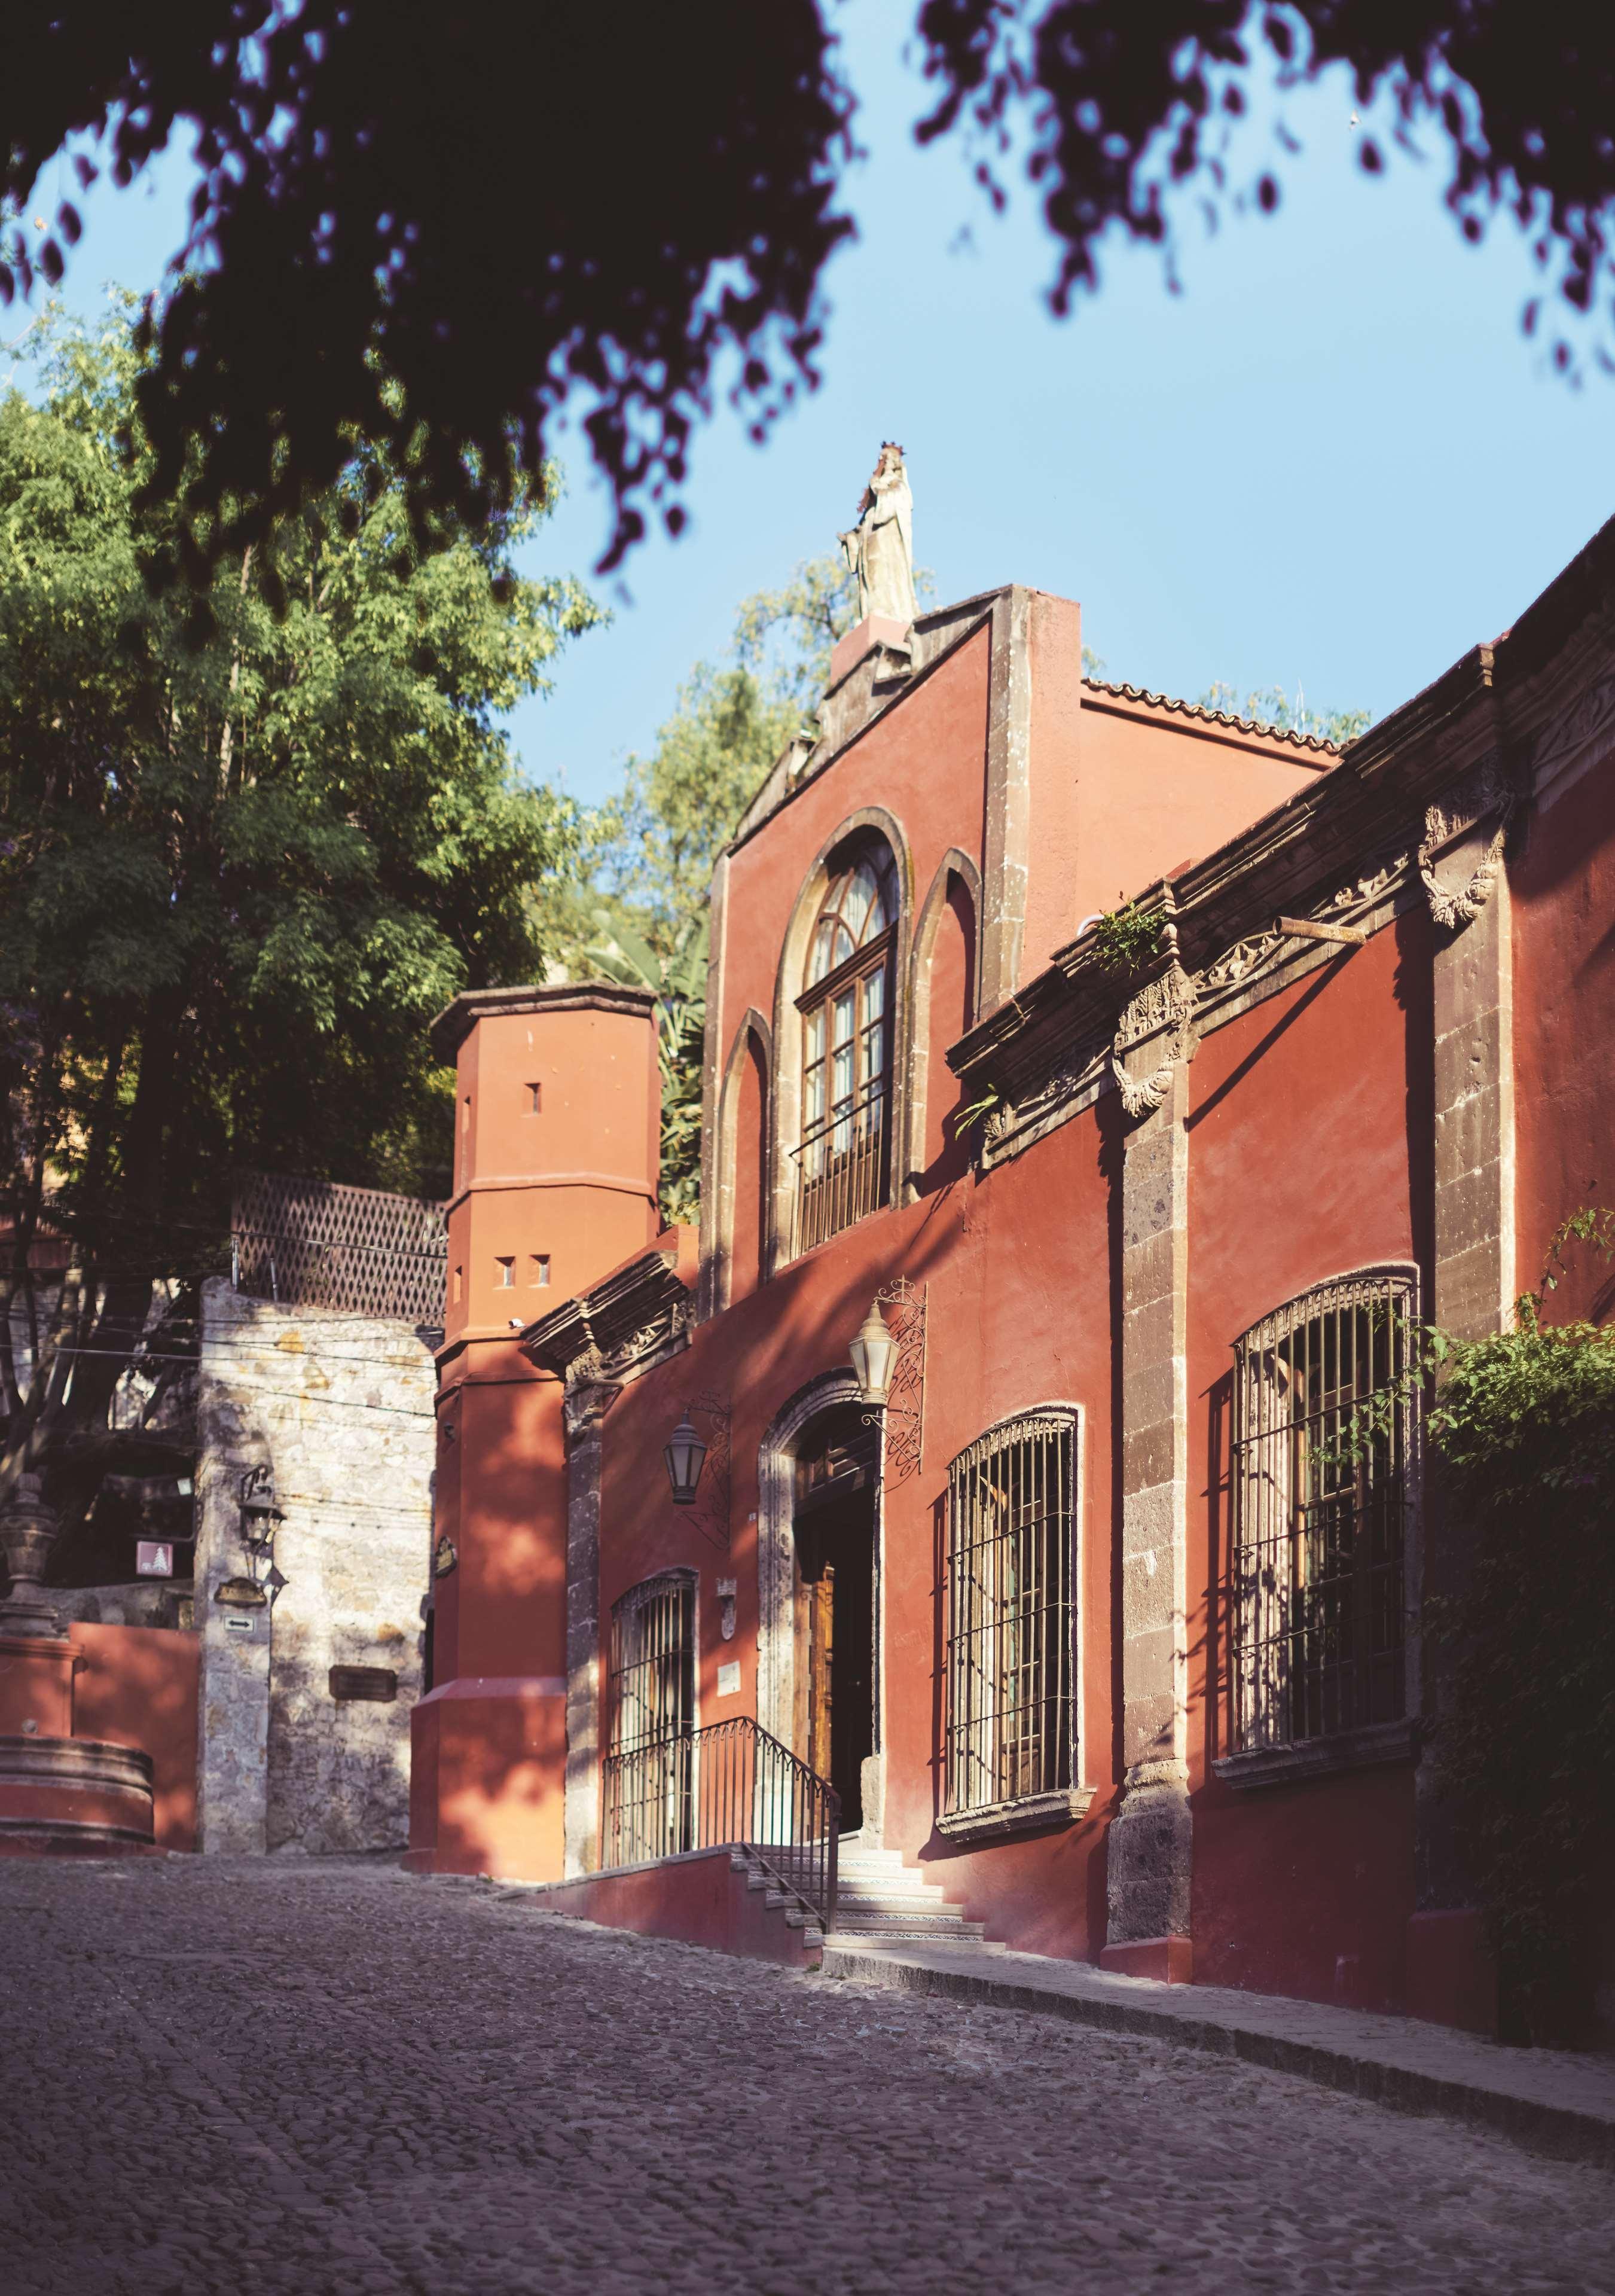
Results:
[376, 1682]
[153, 1558]
[235, 1623]
[728, 1679]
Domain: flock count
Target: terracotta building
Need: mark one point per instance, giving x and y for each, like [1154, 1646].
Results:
[1067, 1601]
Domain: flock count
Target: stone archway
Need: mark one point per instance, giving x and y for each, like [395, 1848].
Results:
[776, 1687]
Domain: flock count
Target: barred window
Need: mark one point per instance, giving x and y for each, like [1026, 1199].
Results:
[1324, 1460]
[846, 1009]
[649, 1771]
[1010, 1730]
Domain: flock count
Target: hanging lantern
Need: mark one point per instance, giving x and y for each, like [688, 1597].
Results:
[874, 1352]
[685, 1455]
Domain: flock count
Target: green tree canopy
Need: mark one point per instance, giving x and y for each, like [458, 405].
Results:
[237, 877]
[360, 198]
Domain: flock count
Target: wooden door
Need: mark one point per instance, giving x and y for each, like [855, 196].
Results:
[820, 1656]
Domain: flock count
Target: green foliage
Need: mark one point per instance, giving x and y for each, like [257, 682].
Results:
[659, 839]
[679, 980]
[1524, 1426]
[1123, 940]
[1272, 706]
[648, 855]
[238, 873]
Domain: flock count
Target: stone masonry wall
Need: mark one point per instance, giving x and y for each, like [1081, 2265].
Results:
[340, 1408]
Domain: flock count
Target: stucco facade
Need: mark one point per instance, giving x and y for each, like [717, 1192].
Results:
[1371, 1041]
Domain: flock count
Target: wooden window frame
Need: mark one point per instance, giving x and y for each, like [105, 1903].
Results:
[843, 1163]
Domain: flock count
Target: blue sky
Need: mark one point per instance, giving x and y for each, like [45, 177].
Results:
[1334, 459]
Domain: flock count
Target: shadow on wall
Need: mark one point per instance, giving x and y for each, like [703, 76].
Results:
[137, 1687]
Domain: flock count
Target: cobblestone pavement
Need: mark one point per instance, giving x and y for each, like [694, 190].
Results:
[318, 2076]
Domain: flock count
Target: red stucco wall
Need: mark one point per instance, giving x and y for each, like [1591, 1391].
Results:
[137, 1687]
[1310, 1155]
[1563, 898]
[699, 1899]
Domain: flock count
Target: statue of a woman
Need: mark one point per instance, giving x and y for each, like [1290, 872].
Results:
[879, 549]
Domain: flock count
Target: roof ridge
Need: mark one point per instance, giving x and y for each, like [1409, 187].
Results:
[1299, 740]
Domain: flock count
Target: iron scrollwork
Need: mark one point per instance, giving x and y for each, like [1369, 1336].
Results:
[903, 1410]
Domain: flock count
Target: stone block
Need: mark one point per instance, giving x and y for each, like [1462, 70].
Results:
[1149, 1455]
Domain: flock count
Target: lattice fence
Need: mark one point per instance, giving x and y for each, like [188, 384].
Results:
[362, 1252]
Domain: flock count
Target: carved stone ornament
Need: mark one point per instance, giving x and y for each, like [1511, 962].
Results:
[1164, 1008]
[1587, 726]
[588, 1399]
[1065, 1083]
[1486, 791]
[1243, 958]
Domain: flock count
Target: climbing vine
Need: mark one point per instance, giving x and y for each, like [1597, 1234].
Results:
[1522, 1426]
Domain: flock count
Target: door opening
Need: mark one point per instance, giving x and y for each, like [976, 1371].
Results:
[836, 1594]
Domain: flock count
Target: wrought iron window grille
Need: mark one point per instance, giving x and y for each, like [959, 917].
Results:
[1325, 1469]
[1010, 1721]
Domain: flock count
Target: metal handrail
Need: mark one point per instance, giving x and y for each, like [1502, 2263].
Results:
[731, 1784]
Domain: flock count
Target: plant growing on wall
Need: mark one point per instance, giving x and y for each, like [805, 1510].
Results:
[1523, 1423]
[1123, 940]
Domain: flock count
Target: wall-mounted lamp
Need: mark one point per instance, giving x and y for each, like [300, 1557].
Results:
[685, 1455]
[260, 1520]
[875, 1354]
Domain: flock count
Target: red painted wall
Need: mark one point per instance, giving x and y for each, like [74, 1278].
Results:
[138, 1687]
[1310, 1155]
[1159, 789]
[1564, 900]
[699, 1899]
[1004, 1335]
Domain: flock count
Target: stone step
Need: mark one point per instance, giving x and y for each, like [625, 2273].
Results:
[896, 1918]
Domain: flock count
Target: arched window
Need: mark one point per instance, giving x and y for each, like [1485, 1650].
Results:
[846, 1009]
[1325, 1461]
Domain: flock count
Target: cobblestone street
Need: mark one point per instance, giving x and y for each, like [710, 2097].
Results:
[312, 2077]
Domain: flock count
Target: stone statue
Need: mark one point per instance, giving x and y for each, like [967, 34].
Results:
[879, 549]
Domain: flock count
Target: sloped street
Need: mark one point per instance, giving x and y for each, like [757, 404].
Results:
[311, 2077]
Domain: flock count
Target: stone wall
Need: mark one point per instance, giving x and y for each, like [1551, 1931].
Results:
[338, 1408]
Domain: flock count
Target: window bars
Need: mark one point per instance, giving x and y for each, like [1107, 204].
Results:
[1325, 1478]
[1010, 1728]
[649, 1812]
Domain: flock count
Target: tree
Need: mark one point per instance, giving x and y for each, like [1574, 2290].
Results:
[674, 206]
[1274, 707]
[236, 879]
[680, 806]
[1121, 110]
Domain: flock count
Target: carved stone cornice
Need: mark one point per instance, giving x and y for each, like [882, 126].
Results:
[1339, 850]
[632, 1319]
[1155, 1032]
[1486, 791]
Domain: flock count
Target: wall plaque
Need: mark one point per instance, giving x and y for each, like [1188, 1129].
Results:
[378, 1682]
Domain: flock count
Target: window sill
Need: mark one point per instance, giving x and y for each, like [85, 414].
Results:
[1316, 1757]
[1005, 1818]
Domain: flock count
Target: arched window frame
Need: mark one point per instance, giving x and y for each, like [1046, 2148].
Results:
[1325, 1503]
[872, 823]
[846, 1017]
